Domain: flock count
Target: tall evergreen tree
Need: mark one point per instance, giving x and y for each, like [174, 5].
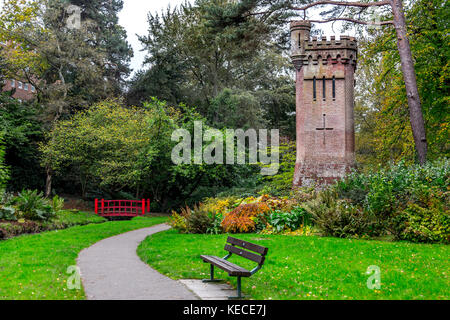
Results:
[225, 72]
[110, 37]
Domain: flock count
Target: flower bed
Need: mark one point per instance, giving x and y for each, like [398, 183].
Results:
[266, 214]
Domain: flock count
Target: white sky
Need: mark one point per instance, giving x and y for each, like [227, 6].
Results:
[133, 18]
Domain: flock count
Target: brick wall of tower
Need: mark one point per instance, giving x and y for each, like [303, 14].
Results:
[325, 125]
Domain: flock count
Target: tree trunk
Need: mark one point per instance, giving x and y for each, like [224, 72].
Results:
[138, 192]
[83, 182]
[409, 75]
[48, 183]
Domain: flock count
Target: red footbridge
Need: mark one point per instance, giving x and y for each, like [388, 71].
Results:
[122, 208]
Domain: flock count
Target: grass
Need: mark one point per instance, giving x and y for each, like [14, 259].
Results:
[62, 220]
[34, 266]
[73, 218]
[311, 267]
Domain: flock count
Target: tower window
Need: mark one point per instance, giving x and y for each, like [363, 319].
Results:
[314, 89]
[334, 88]
[324, 89]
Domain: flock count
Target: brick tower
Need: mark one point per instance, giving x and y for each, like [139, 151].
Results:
[325, 102]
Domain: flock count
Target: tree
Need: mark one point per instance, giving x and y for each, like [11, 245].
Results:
[17, 18]
[99, 146]
[22, 129]
[382, 105]
[235, 109]
[70, 67]
[4, 173]
[110, 37]
[3, 68]
[112, 150]
[191, 61]
[270, 11]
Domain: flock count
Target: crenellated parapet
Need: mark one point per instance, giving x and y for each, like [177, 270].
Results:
[306, 51]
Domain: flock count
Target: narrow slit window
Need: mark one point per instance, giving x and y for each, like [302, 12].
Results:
[334, 87]
[314, 89]
[299, 40]
[324, 94]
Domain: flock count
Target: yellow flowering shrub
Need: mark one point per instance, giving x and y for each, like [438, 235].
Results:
[220, 205]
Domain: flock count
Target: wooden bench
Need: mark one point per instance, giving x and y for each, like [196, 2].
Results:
[243, 249]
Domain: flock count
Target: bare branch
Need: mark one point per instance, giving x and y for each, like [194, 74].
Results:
[382, 23]
[343, 3]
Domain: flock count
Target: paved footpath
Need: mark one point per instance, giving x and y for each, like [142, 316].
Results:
[111, 270]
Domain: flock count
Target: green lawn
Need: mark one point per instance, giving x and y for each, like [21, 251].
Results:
[34, 266]
[312, 267]
[74, 218]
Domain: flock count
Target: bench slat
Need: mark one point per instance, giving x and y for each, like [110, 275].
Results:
[224, 263]
[245, 254]
[248, 245]
[229, 267]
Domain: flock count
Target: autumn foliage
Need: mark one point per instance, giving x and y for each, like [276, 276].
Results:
[243, 218]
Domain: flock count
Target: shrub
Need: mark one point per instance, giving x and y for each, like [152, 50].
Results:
[282, 204]
[6, 198]
[13, 229]
[221, 205]
[216, 226]
[7, 213]
[244, 218]
[32, 205]
[418, 224]
[303, 194]
[281, 183]
[4, 172]
[283, 221]
[178, 221]
[340, 218]
[200, 220]
[57, 204]
[408, 201]
[62, 220]
[387, 190]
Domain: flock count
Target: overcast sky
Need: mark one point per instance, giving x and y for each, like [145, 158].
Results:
[133, 18]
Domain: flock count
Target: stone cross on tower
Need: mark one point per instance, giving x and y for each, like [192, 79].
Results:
[324, 128]
[325, 102]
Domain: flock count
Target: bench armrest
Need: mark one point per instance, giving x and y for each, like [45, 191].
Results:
[227, 256]
[255, 270]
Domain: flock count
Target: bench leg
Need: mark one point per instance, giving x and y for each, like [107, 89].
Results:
[211, 279]
[239, 290]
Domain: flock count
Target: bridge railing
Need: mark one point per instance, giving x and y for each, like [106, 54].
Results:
[122, 208]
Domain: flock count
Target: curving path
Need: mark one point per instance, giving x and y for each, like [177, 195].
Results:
[111, 270]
